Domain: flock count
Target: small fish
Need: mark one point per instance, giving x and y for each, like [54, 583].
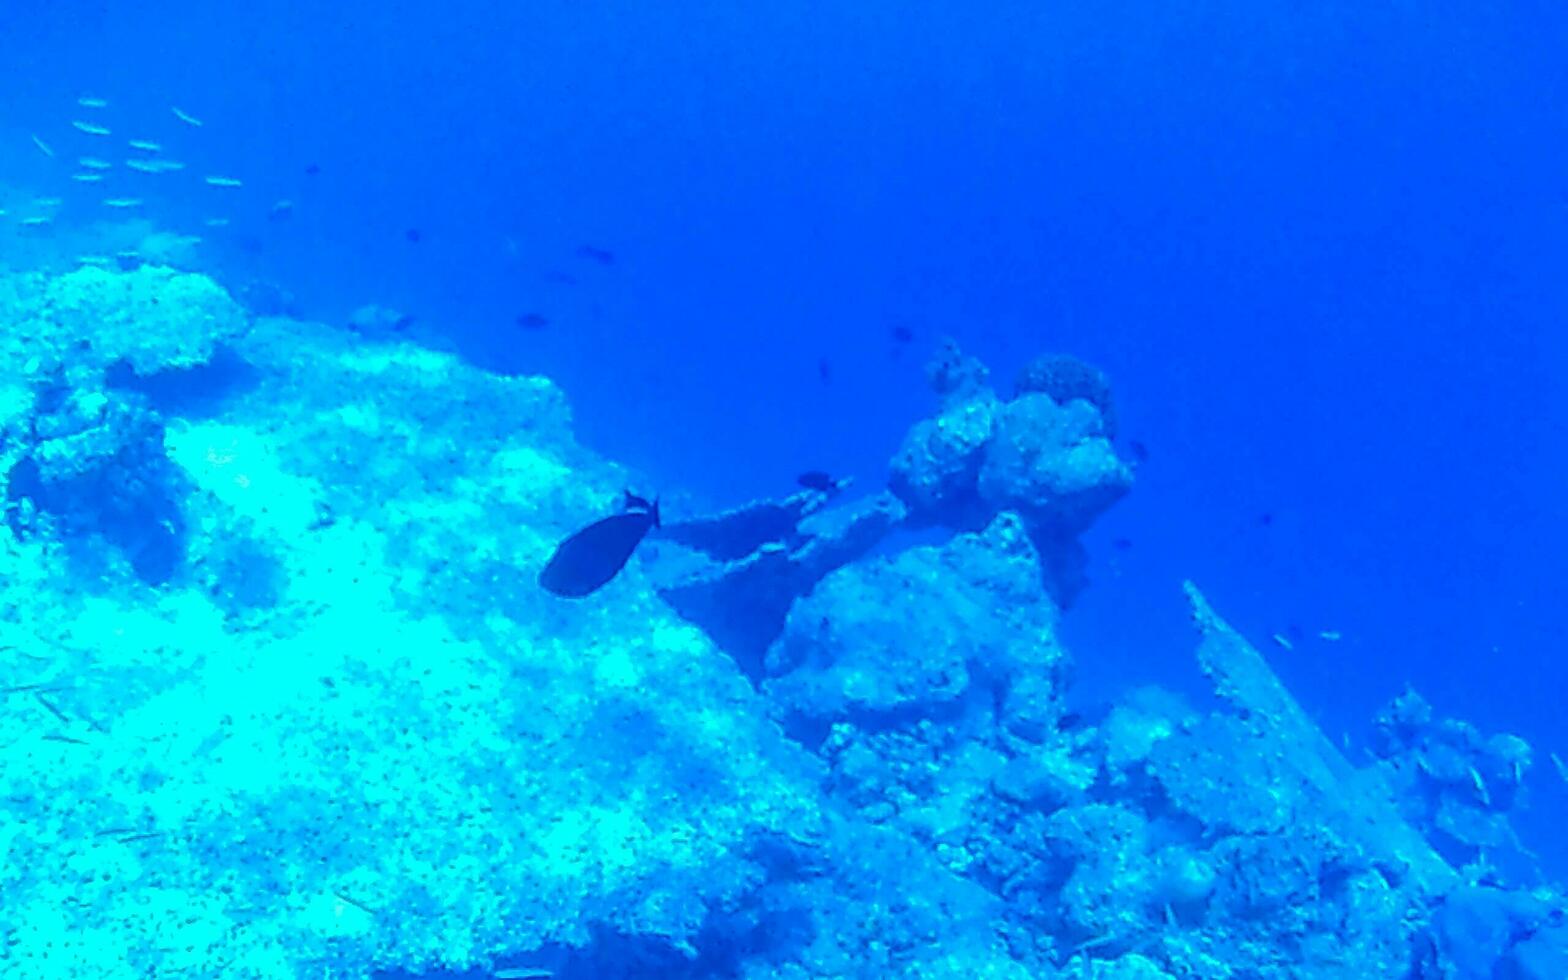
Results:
[122, 202]
[825, 370]
[522, 973]
[312, 169]
[89, 102]
[603, 256]
[1138, 451]
[1558, 764]
[532, 321]
[146, 146]
[1333, 636]
[185, 117]
[1284, 641]
[87, 178]
[144, 166]
[560, 278]
[630, 501]
[91, 129]
[281, 210]
[47, 202]
[1122, 544]
[818, 480]
[93, 163]
[36, 221]
[216, 222]
[902, 334]
[588, 559]
[224, 182]
[101, 261]
[413, 236]
[48, 152]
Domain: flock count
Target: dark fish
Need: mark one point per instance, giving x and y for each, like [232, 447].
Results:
[817, 480]
[1122, 544]
[603, 256]
[560, 278]
[532, 321]
[1138, 451]
[825, 370]
[1265, 520]
[634, 502]
[312, 169]
[586, 561]
[902, 334]
[414, 236]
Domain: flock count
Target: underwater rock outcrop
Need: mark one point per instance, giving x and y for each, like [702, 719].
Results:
[738, 573]
[1046, 454]
[1456, 785]
[152, 318]
[352, 736]
[414, 760]
[92, 464]
[935, 633]
[1065, 379]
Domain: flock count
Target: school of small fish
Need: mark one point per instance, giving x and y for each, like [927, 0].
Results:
[90, 130]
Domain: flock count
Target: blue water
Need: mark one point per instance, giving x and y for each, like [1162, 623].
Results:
[1319, 249]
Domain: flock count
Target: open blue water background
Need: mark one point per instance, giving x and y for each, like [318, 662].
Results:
[1322, 249]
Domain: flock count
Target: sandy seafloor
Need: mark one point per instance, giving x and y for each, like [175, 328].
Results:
[283, 697]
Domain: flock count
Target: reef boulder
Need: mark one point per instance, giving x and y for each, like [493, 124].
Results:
[934, 632]
[152, 318]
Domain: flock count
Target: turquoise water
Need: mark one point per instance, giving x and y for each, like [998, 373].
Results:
[323, 331]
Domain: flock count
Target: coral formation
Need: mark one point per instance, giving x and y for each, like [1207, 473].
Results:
[1051, 461]
[152, 318]
[328, 724]
[1065, 379]
[919, 636]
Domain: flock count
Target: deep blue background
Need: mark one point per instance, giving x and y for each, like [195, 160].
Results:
[1321, 248]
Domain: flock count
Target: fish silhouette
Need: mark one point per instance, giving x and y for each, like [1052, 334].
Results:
[588, 559]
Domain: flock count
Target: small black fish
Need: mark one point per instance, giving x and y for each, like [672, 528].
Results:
[590, 558]
[603, 256]
[825, 370]
[633, 502]
[902, 334]
[532, 321]
[1122, 544]
[414, 236]
[817, 480]
[312, 169]
[1265, 520]
[1138, 451]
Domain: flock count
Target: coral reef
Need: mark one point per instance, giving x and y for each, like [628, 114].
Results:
[737, 574]
[93, 464]
[919, 636]
[284, 700]
[1065, 379]
[152, 318]
[1457, 786]
[1046, 455]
